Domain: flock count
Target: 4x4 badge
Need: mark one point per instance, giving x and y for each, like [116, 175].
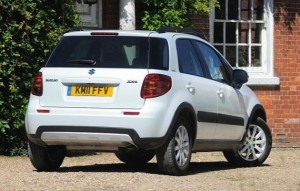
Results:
[92, 71]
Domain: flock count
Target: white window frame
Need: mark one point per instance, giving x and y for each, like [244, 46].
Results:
[263, 75]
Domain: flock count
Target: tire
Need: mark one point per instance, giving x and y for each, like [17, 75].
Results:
[255, 148]
[135, 157]
[174, 156]
[47, 158]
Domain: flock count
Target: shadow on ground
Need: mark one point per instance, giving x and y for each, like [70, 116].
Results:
[152, 168]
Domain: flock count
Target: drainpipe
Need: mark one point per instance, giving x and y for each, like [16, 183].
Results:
[127, 15]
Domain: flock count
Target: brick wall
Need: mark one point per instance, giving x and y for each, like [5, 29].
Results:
[283, 102]
[200, 22]
[110, 15]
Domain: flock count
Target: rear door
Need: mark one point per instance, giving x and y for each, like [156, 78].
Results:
[231, 108]
[96, 72]
[199, 88]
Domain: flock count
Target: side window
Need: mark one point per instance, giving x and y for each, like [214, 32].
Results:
[187, 57]
[159, 54]
[215, 66]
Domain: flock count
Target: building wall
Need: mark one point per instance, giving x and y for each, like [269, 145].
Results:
[283, 102]
[110, 14]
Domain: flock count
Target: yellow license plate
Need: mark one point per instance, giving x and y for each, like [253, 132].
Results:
[101, 91]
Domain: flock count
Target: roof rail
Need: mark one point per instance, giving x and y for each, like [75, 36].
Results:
[185, 30]
[85, 28]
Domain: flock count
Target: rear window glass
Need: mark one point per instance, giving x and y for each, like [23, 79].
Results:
[110, 52]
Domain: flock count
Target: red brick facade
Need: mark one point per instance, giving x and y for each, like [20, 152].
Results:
[110, 10]
[282, 102]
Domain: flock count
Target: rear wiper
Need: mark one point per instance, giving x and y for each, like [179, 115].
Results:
[82, 62]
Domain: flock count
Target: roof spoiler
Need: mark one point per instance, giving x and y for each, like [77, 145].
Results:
[185, 30]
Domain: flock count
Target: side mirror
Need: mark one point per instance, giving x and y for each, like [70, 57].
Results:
[239, 77]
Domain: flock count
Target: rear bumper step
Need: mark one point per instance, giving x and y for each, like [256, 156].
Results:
[86, 139]
[92, 138]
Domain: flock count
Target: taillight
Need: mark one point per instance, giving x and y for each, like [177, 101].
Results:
[155, 85]
[37, 87]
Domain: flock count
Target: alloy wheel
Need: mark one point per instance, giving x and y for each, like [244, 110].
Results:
[254, 145]
[182, 146]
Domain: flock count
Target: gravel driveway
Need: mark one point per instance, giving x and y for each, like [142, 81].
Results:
[208, 171]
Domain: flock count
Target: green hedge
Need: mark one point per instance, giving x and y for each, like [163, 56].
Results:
[29, 30]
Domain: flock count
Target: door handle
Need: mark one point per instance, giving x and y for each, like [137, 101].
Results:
[190, 88]
[220, 93]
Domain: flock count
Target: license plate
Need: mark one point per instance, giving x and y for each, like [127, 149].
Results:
[101, 91]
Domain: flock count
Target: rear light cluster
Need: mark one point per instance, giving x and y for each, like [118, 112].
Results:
[155, 85]
[37, 87]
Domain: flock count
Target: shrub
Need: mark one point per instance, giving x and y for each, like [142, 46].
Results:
[173, 12]
[29, 30]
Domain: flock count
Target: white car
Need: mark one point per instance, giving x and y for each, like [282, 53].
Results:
[140, 94]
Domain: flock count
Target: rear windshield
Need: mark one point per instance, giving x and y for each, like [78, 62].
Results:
[110, 52]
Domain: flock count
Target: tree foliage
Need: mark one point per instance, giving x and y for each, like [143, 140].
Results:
[29, 29]
[173, 12]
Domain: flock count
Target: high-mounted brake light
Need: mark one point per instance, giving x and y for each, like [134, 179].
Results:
[43, 110]
[104, 34]
[131, 113]
[155, 85]
[37, 87]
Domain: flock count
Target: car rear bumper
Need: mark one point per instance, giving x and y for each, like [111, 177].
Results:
[92, 138]
[97, 129]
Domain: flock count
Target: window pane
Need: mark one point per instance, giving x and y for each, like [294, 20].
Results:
[104, 52]
[220, 11]
[159, 54]
[214, 64]
[233, 10]
[255, 56]
[258, 6]
[188, 59]
[243, 56]
[243, 32]
[231, 55]
[218, 32]
[246, 10]
[256, 32]
[230, 32]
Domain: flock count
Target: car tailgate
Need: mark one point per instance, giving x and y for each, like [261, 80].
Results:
[92, 87]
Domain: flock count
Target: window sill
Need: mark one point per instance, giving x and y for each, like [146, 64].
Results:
[263, 80]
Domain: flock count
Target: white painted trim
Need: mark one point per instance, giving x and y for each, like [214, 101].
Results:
[263, 80]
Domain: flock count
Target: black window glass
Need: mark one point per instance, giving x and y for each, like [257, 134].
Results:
[110, 52]
[159, 54]
[187, 58]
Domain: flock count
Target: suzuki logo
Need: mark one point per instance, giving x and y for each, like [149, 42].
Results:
[92, 71]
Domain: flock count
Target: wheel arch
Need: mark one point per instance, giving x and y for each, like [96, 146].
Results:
[187, 111]
[257, 111]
